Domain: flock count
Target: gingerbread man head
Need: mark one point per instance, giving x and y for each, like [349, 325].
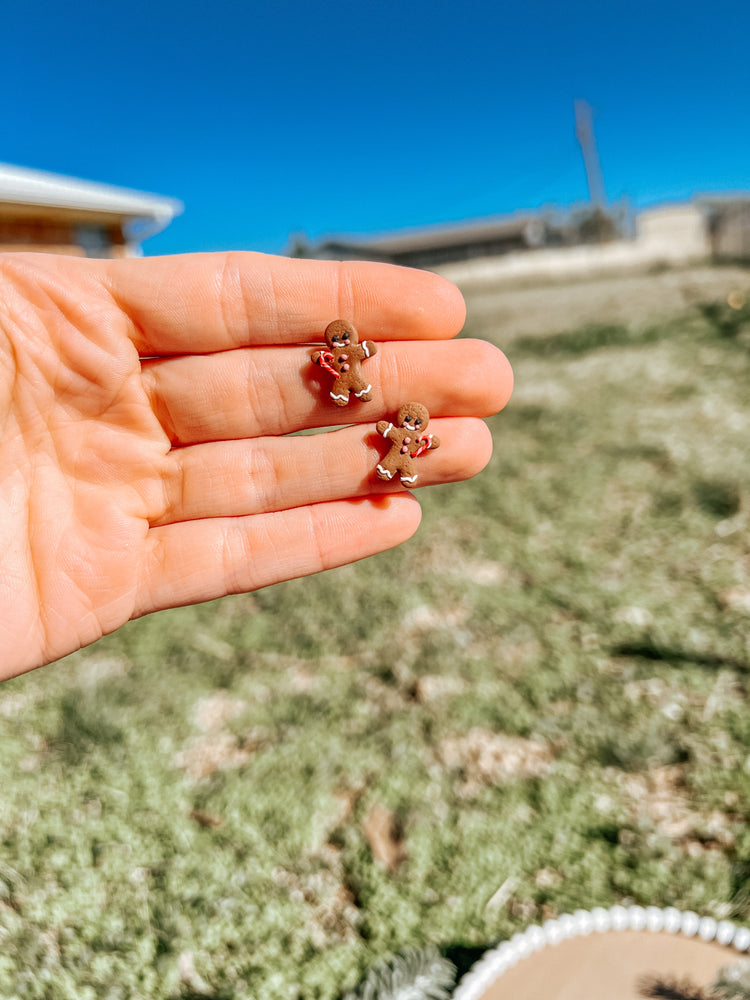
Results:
[413, 417]
[340, 334]
[340, 338]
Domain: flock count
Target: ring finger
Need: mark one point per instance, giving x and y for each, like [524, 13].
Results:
[257, 476]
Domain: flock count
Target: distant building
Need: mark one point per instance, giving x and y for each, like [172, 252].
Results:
[436, 246]
[729, 224]
[50, 212]
[555, 244]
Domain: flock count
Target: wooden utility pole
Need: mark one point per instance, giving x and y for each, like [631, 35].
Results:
[585, 136]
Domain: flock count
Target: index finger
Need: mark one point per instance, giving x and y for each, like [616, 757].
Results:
[199, 303]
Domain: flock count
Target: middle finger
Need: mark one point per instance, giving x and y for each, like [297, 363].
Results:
[258, 391]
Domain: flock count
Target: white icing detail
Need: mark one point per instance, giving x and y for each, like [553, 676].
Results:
[385, 472]
[409, 427]
[339, 396]
[364, 348]
[388, 430]
[363, 392]
[408, 479]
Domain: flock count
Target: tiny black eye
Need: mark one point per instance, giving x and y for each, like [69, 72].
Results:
[417, 422]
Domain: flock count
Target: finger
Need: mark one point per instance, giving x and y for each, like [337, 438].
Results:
[261, 391]
[232, 478]
[197, 303]
[198, 561]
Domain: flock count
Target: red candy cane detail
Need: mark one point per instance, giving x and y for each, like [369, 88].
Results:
[324, 360]
[423, 445]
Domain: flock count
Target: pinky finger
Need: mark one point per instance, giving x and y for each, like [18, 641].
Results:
[194, 561]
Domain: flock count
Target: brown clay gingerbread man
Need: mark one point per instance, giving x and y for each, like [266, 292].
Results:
[343, 359]
[408, 441]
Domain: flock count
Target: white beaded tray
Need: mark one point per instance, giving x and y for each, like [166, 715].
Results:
[597, 921]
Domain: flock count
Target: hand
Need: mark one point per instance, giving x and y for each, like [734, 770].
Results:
[143, 408]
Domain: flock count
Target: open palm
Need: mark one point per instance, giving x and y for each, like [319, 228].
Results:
[147, 412]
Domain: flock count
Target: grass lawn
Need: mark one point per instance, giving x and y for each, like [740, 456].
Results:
[540, 703]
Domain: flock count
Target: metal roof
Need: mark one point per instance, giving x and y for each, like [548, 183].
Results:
[452, 234]
[723, 199]
[23, 186]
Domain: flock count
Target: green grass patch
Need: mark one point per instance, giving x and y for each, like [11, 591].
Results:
[586, 338]
[546, 691]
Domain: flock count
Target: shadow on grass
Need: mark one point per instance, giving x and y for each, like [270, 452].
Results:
[717, 497]
[591, 337]
[192, 995]
[82, 725]
[646, 649]
[726, 321]
[464, 957]
[723, 321]
[580, 341]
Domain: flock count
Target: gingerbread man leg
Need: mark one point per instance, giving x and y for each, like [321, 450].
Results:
[362, 390]
[341, 389]
[404, 470]
[350, 383]
[340, 398]
[407, 472]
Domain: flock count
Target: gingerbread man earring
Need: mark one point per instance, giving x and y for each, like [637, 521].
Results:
[408, 442]
[343, 360]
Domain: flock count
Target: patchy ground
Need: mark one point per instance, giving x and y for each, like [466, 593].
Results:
[544, 704]
[634, 300]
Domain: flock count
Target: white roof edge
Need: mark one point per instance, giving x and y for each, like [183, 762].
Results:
[24, 186]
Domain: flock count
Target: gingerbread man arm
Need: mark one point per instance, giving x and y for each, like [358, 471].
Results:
[363, 351]
[428, 442]
[387, 430]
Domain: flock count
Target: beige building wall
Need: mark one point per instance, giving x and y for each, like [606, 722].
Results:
[57, 231]
[673, 234]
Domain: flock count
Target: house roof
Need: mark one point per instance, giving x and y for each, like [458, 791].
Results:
[24, 188]
[718, 200]
[455, 234]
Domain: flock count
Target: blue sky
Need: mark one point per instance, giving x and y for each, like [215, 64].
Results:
[272, 118]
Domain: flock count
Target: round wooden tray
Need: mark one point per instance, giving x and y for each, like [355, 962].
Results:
[606, 955]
